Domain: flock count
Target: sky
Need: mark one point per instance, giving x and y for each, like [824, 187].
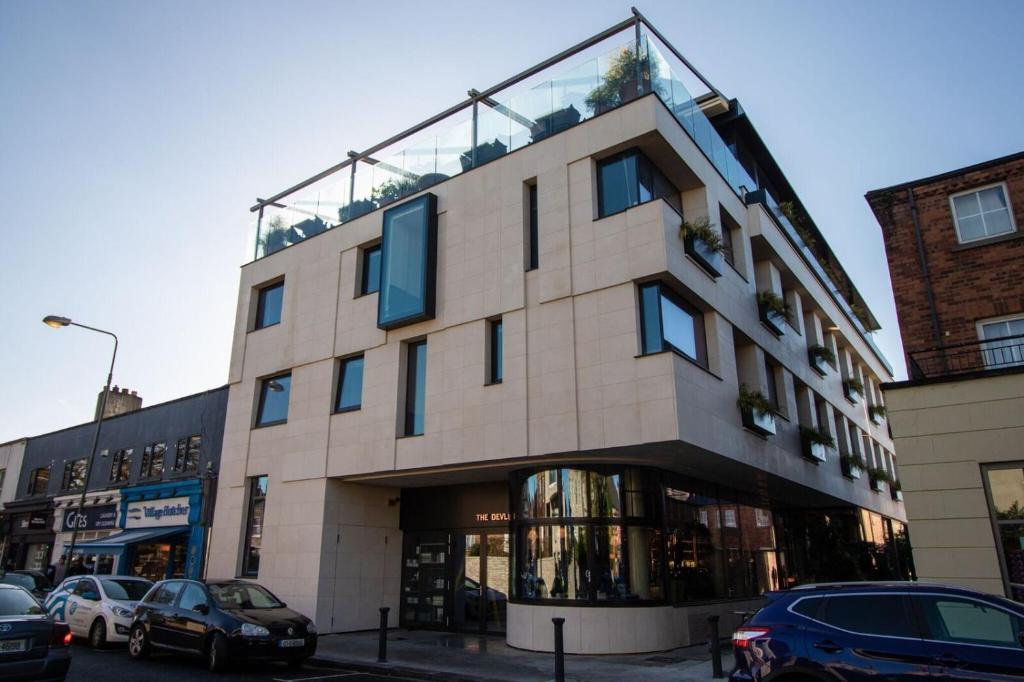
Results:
[134, 136]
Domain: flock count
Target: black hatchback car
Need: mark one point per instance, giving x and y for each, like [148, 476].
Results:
[881, 631]
[223, 620]
[32, 647]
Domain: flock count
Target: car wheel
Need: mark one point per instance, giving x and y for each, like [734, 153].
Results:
[98, 634]
[218, 653]
[138, 642]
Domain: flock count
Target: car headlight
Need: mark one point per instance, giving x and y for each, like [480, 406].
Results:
[250, 630]
[121, 612]
[311, 628]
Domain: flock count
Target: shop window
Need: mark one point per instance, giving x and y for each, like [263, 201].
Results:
[495, 350]
[415, 388]
[186, 454]
[254, 525]
[370, 279]
[38, 481]
[532, 228]
[153, 461]
[629, 179]
[350, 385]
[74, 475]
[273, 406]
[268, 306]
[669, 323]
[121, 466]
[408, 263]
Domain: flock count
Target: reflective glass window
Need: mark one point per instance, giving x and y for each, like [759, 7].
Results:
[408, 263]
[254, 525]
[982, 213]
[273, 407]
[268, 307]
[667, 319]
[415, 392]
[967, 621]
[350, 385]
[371, 270]
[630, 179]
[873, 614]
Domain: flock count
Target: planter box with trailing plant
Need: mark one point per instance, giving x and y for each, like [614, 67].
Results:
[702, 244]
[814, 442]
[876, 412]
[773, 311]
[756, 411]
[896, 490]
[852, 465]
[878, 478]
[820, 358]
[853, 389]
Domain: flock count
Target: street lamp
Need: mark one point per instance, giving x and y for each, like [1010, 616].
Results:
[56, 321]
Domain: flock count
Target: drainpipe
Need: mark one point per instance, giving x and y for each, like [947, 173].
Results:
[923, 260]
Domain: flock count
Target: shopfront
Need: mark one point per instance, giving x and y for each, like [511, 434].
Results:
[95, 521]
[31, 534]
[455, 557]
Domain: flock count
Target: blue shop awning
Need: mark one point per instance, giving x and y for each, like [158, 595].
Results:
[130, 537]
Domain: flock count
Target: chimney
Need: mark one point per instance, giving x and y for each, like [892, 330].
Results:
[119, 401]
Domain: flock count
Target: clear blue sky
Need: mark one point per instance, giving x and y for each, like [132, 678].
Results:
[135, 135]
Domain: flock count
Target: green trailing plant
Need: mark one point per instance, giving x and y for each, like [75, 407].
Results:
[853, 461]
[822, 353]
[854, 384]
[753, 400]
[817, 436]
[879, 475]
[773, 302]
[619, 81]
[896, 486]
[799, 223]
[876, 411]
[703, 229]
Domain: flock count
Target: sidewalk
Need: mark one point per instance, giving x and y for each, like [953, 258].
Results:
[473, 658]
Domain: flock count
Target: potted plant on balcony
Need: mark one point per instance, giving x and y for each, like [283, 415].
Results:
[877, 476]
[820, 358]
[275, 236]
[619, 84]
[852, 464]
[853, 389]
[814, 441]
[703, 244]
[773, 311]
[876, 412]
[896, 490]
[756, 411]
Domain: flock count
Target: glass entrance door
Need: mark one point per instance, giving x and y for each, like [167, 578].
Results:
[480, 595]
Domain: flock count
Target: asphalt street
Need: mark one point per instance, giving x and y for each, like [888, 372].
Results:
[90, 665]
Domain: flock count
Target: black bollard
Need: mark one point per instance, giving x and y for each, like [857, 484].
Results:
[382, 644]
[716, 648]
[559, 650]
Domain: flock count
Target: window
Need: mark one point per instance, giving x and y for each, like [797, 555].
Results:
[3, 475]
[121, 466]
[153, 461]
[771, 386]
[38, 481]
[415, 388]
[533, 230]
[728, 252]
[254, 525]
[495, 365]
[1007, 353]
[186, 454]
[966, 621]
[982, 213]
[350, 385]
[191, 597]
[273, 407]
[630, 179]
[807, 607]
[370, 281]
[668, 323]
[268, 306]
[74, 475]
[165, 595]
[883, 615]
[1005, 486]
[408, 263]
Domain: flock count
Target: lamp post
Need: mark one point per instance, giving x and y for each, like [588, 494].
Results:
[57, 322]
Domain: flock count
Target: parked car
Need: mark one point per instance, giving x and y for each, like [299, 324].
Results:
[32, 646]
[223, 620]
[875, 631]
[35, 582]
[97, 606]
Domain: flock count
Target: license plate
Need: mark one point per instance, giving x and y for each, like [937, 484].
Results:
[10, 646]
[291, 643]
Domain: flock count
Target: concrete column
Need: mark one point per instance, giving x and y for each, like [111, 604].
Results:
[720, 343]
[701, 203]
[806, 411]
[796, 310]
[813, 329]
[840, 431]
[750, 367]
[767, 277]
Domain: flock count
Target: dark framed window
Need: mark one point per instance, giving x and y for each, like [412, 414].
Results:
[74, 475]
[350, 385]
[728, 253]
[771, 385]
[495, 351]
[273, 405]
[630, 179]
[153, 460]
[121, 465]
[415, 388]
[38, 481]
[883, 615]
[254, 525]
[370, 280]
[186, 454]
[408, 274]
[1004, 489]
[533, 228]
[268, 305]
[670, 323]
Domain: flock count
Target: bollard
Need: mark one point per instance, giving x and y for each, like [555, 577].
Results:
[716, 648]
[382, 644]
[559, 650]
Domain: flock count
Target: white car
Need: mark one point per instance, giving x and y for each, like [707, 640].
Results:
[97, 607]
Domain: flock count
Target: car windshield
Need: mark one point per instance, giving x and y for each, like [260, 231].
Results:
[19, 579]
[126, 590]
[18, 603]
[243, 596]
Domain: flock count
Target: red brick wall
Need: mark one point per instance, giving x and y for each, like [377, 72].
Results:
[969, 282]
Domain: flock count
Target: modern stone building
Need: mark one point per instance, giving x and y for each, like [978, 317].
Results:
[480, 377]
[956, 259]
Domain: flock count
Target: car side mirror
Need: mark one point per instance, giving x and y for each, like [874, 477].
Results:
[201, 608]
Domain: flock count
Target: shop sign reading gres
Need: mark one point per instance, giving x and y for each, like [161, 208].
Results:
[172, 511]
[91, 518]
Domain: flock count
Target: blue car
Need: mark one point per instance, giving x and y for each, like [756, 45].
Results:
[881, 631]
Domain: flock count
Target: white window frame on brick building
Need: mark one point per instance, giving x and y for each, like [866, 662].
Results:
[982, 213]
[1008, 353]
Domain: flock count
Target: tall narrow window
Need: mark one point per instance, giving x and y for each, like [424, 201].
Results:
[415, 388]
[121, 466]
[268, 307]
[153, 461]
[408, 275]
[254, 525]
[38, 481]
[186, 454]
[629, 179]
[273, 407]
[533, 231]
[771, 385]
[350, 385]
[74, 475]
[495, 368]
[371, 270]
[669, 323]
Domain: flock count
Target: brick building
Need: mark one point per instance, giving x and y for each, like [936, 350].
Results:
[956, 257]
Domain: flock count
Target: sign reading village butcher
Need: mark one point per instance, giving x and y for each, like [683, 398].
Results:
[172, 511]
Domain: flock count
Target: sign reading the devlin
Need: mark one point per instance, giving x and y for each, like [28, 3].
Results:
[91, 518]
[172, 511]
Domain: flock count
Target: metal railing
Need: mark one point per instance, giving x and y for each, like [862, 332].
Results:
[965, 358]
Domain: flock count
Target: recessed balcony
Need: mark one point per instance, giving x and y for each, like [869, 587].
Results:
[852, 390]
[814, 443]
[756, 412]
[773, 312]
